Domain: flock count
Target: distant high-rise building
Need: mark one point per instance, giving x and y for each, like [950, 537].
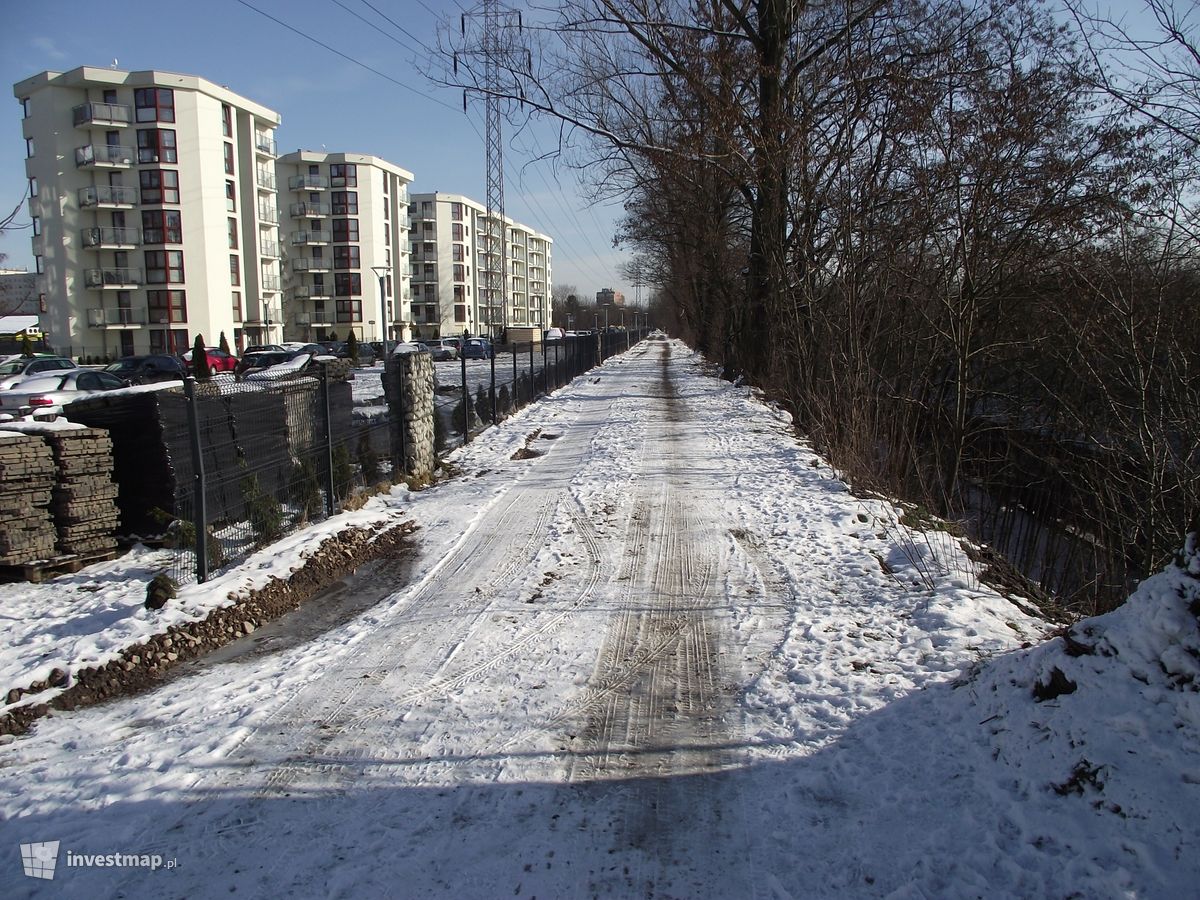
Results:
[345, 246]
[609, 297]
[451, 261]
[154, 211]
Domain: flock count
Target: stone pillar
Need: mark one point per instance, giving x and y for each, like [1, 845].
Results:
[408, 387]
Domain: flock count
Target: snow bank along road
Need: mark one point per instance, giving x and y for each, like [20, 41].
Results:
[652, 648]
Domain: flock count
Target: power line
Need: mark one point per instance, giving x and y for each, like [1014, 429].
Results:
[347, 57]
[369, 23]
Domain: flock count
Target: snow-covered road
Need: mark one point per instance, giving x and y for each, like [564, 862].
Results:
[651, 647]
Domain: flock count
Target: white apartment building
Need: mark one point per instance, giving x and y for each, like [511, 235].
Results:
[345, 246]
[451, 264]
[154, 211]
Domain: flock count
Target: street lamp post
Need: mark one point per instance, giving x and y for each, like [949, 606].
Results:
[381, 272]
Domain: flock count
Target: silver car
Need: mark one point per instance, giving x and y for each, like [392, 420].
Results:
[17, 370]
[50, 393]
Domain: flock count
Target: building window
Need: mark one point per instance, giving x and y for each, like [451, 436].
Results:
[343, 175]
[38, 265]
[226, 120]
[230, 197]
[346, 257]
[229, 159]
[460, 273]
[233, 236]
[430, 272]
[349, 310]
[460, 313]
[29, 148]
[159, 186]
[347, 284]
[237, 306]
[167, 307]
[33, 187]
[456, 232]
[456, 212]
[235, 270]
[345, 203]
[37, 225]
[345, 231]
[157, 145]
[154, 104]
[25, 113]
[164, 266]
[426, 209]
[162, 226]
[458, 252]
[387, 234]
[458, 294]
[416, 290]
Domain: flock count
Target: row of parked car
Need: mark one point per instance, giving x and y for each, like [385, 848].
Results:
[44, 382]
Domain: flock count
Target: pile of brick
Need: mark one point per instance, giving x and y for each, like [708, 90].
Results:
[84, 502]
[27, 475]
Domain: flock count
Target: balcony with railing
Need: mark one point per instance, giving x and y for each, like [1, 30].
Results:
[110, 238]
[264, 144]
[309, 264]
[312, 292]
[105, 115]
[268, 214]
[108, 196]
[103, 156]
[265, 180]
[309, 210]
[117, 318]
[113, 279]
[269, 249]
[318, 317]
[310, 238]
[308, 183]
[270, 283]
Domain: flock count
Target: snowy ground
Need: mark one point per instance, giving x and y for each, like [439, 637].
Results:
[666, 654]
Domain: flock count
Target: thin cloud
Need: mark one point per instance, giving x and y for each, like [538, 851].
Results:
[47, 46]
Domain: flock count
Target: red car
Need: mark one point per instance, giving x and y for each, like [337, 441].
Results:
[218, 360]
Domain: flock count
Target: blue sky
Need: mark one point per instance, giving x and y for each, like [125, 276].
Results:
[324, 100]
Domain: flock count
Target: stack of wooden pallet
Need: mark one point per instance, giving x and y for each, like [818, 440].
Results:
[26, 478]
[84, 502]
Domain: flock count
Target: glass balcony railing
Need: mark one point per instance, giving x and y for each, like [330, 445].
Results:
[110, 237]
[312, 292]
[270, 283]
[113, 278]
[310, 237]
[265, 144]
[103, 155]
[103, 318]
[315, 318]
[269, 249]
[309, 210]
[268, 214]
[107, 195]
[308, 183]
[266, 179]
[308, 264]
[109, 115]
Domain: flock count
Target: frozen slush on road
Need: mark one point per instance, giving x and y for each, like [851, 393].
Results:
[651, 646]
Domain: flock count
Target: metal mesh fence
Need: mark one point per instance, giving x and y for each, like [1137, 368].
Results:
[255, 459]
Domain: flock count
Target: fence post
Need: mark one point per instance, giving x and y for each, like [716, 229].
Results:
[532, 376]
[495, 413]
[402, 406]
[329, 493]
[545, 370]
[516, 399]
[466, 402]
[199, 501]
